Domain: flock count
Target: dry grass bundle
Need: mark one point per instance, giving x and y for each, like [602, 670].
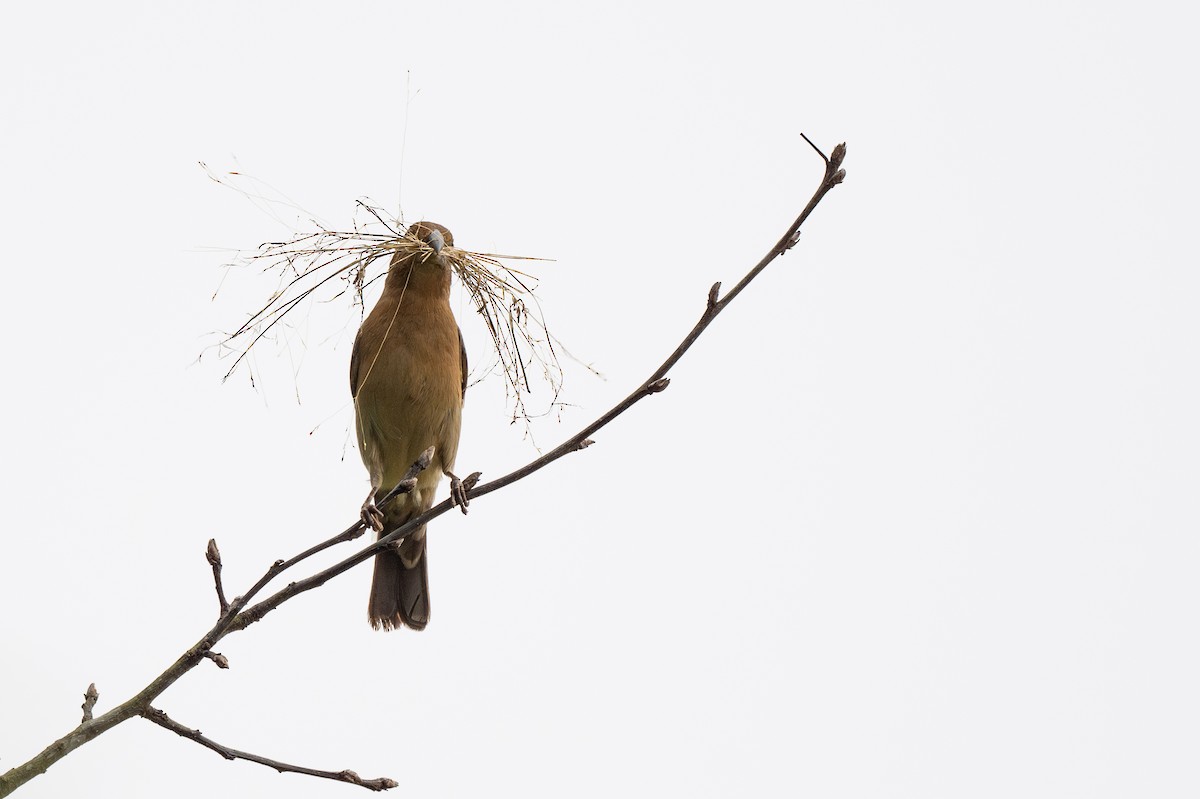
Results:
[324, 265]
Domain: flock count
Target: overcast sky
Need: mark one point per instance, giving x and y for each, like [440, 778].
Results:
[917, 516]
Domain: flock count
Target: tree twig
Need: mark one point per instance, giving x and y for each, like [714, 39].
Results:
[166, 722]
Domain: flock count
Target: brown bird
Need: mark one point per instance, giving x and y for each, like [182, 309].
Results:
[408, 377]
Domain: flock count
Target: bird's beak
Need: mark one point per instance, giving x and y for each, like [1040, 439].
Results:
[435, 240]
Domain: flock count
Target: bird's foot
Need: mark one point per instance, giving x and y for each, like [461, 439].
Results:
[371, 515]
[460, 488]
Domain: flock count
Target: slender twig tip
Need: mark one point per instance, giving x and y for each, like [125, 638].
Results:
[824, 157]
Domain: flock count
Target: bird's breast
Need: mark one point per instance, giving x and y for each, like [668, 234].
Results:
[409, 388]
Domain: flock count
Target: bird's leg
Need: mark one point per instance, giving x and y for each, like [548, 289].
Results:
[371, 515]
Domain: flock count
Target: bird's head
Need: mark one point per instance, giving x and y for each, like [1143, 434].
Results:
[415, 268]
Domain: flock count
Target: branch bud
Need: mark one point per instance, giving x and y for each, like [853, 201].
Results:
[425, 459]
[89, 701]
[212, 553]
[838, 155]
[713, 294]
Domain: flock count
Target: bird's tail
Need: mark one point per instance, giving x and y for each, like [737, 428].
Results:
[400, 587]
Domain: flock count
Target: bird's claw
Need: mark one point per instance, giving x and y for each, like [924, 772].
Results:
[371, 515]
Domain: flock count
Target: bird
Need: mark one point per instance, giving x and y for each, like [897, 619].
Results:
[408, 379]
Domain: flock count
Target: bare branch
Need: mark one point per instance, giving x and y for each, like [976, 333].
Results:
[166, 722]
[238, 614]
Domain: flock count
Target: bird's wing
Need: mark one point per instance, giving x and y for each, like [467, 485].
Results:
[462, 356]
[354, 363]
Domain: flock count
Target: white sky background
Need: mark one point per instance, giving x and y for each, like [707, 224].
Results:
[916, 516]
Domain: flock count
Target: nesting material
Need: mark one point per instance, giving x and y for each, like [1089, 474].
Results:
[326, 266]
